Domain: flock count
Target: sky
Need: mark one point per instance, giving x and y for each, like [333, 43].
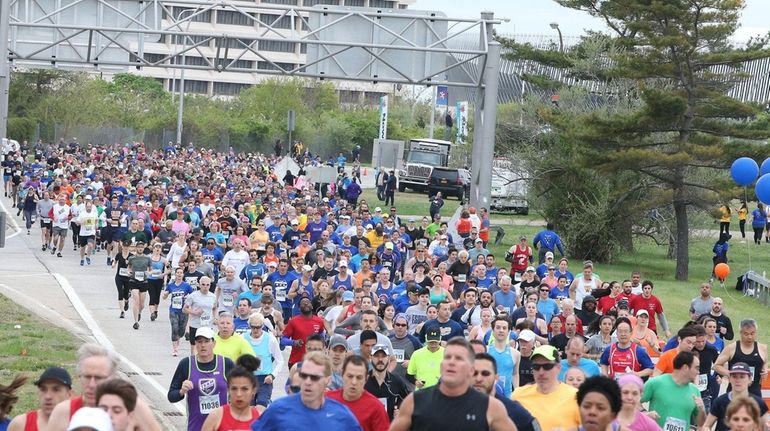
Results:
[532, 17]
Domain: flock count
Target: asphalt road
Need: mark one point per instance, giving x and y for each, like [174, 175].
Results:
[83, 300]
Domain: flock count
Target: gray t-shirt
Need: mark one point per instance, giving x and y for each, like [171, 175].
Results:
[205, 303]
[229, 291]
[702, 306]
[354, 342]
[44, 207]
[415, 315]
[596, 345]
[139, 267]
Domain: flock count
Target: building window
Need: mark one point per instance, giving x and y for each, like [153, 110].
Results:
[315, 2]
[153, 58]
[241, 64]
[382, 4]
[291, 2]
[233, 43]
[303, 48]
[228, 88]
[195, 61]
[275, 21]
[230, 17]
[350, 96]
[373, 98]
[199, 16]
[182, 40]
[359, 3]
[193, 86]
[265, 65]
[277, 46]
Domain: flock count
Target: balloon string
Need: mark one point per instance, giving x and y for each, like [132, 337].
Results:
[746, 201]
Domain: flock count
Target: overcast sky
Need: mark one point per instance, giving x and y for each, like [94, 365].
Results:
[534, 16]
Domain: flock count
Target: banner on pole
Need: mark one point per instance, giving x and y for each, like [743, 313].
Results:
[383, 118]
[442, 95]
[461, 119]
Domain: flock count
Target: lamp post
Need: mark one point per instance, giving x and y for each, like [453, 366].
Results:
[180, 110]
[555, 26]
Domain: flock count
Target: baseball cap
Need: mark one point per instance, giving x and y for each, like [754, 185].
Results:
[307, 268]
[378, 209]
[432, 335]
[416, 288]
[205, 332]
[530, 268]
[527, 335]
[549, 254]
[522, 238]
[643, 311]
[389, 245]
[57, 374]
[740, 368]
[547, 351]
[479, 240]
[89, 198]
[339, 340]
[343, 263]
[411, 220]
[273, 264]
[294, 222]
[175, 198]
[348, 296]
[589, 298]
[380, 348]
[90, 417]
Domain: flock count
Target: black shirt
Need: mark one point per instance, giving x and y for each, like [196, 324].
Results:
[393, 390]
[719, 407]
[519, 415]
[434, 411]
[560, 342]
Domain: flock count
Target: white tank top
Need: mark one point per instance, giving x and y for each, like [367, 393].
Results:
[583, 289]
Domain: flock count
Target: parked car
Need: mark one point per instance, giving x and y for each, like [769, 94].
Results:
[450, 182]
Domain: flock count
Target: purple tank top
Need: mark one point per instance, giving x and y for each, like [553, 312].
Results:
[209, 392]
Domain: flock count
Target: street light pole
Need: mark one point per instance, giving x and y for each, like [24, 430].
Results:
[555, 26]
[5, 69]
[180, 110]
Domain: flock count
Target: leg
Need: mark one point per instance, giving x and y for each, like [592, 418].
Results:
[742, 226]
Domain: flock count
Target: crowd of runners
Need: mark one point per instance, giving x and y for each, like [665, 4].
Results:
[389, 320]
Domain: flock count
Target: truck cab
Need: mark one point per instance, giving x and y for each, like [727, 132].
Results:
[420, 157]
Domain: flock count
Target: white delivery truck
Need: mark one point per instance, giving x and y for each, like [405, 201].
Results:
[510, 184]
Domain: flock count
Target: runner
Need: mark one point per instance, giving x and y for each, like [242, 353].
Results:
[88, 220]
[138, 268]
[44, 213]
[53, 387]
[178, 289]
[123, 277]
[237, 414]
[60, 216]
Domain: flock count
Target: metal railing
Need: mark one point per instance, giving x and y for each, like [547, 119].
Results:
[757, 286]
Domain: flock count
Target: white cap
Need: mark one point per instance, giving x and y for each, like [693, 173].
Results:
[307, 268]
[205, 332]
[343, 263]
[527, 335]
[378, 209]
[549, 254]
[90, 417]
[175, 198]
[89, 198]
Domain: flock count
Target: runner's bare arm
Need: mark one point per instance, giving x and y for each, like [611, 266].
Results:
[213, 420]
[144, 418]
[60, 417]
[403, 421]
[497, 416]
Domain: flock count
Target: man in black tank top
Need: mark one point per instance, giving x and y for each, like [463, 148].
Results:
[452, 404]
[748, 351]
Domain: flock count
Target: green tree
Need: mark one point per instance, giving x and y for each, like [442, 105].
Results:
[83, 101]
[685, 123]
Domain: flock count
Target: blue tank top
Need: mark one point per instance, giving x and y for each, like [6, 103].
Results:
[505, 367]
[347, 284]
[262, 351]
[156, 266]
[308, 293]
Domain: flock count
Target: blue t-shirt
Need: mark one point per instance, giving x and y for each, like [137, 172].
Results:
[178, 293]
[281, 285]
[289, 413]
[252, 270]
[315, 230]
[589, 367]
[548, 308]
[507, 300]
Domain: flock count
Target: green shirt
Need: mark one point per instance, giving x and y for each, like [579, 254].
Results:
[673, 402]
[431, 229]
[426, 365]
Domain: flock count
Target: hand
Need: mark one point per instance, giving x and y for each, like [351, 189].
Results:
[268, 379]
[723, 330]
[653, 415]
[668, 334]
[419, 384]
[699, 403]
[298, 343]
[187, 386]
[405, 363]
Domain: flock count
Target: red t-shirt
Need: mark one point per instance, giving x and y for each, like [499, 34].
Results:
[300, 328]
[605, 303]
[652, 305]
[369, 411]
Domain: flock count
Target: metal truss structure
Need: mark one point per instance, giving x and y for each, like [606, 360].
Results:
[115, 32]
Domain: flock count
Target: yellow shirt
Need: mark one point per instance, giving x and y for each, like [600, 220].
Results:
[543, 407]
[742, 213]
[426, 365]
[233, 347]
[725, 213]
[302, 222]
[374, 239]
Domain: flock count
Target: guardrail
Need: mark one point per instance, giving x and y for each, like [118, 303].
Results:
[757, 286]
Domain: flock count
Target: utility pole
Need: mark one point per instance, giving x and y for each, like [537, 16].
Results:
[5, 70]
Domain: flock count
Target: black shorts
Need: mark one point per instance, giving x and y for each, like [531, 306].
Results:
[84, 240]
[141, 286]
[46, 224]
[192, 335]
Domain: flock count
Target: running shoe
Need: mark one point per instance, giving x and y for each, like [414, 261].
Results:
[53, 250]
[125, 305]
[109, 262]
[136, 325]
[174, 353]
[153, 316]
[88, 260]
[58, 254]
[75, 248]
[43, 247]
[81, 262]
[122, 314]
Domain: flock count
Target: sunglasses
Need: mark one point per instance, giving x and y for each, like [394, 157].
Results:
[312, 377]
[485, 373]
[253, 328]
[544, 290]
[547, 367]
[400, 325]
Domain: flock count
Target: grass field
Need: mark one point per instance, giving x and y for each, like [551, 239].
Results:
[31, 349]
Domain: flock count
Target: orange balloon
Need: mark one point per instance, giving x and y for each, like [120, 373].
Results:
[722, 270]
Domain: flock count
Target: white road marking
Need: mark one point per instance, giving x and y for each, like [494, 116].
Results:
[101, 337]
[13, 221]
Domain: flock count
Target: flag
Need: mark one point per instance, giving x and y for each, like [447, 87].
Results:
[442, 95]
[383, 117]
[461, 119]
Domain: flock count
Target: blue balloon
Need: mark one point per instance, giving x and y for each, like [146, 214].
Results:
[762, 189]
[765, 168]
[744, 171]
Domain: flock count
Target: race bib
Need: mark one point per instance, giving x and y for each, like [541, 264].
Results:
[675, 424]
[461, 278]
[384, 402]
[139, 276]
[123, 272]
[177, 302]
[280, 295]
[205, 320]
[703, 382]
[227, 300]
[208, 403]
[399, 353]
[752, 373]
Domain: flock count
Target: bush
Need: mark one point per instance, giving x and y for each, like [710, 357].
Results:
[21, 129]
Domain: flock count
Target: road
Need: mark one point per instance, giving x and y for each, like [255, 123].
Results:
[83, 300]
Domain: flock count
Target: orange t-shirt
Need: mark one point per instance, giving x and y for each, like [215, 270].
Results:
[666, 361]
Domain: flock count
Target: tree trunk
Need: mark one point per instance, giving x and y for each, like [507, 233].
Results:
[682, 229]
[624, 235]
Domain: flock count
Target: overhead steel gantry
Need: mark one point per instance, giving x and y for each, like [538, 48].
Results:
[356, 44]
